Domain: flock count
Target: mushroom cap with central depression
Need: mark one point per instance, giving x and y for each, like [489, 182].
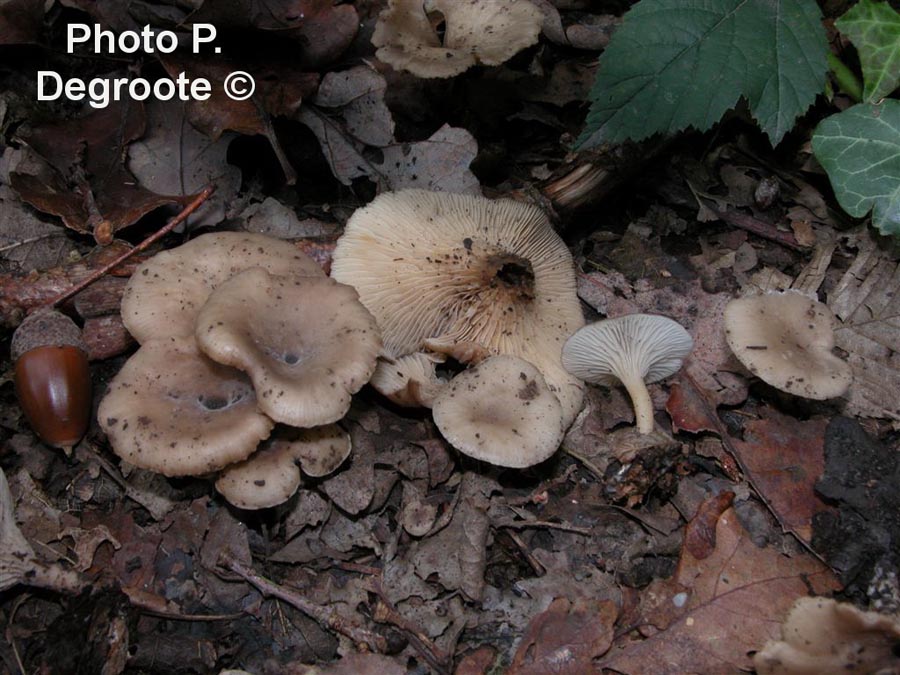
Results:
[465, 275]
[306, 342]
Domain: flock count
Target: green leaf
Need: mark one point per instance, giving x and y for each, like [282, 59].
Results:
[675, 64]
[860, 150]
[874, 29]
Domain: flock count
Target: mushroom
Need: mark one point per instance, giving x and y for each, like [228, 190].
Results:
[172, 410]
[476, 31]
[450, 270]
[271, 476]
[502, 412]
[635, 350]
[306, 342]
[821, 635]
[786, 340]
[409, 381]
[165, 293]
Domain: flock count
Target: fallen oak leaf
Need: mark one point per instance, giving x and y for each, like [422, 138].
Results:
[713, 612]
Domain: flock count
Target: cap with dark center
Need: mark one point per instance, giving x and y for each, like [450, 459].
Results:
[410, 381]
[306, 342]
[501, 411]
[165, 293]
[172, 410]
[271, 475]
[632, 350]
[786, 340]
[477, 31]
[466, 275]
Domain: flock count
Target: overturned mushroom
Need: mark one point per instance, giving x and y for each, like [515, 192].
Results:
[165, 293]
[271, 476]
[172, 410]
[635, 350]
[501, 411]
[786, 340]
[466, 275]
[475, 31]
[306, 342]
[409, 381]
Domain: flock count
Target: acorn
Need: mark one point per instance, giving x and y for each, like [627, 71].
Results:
[52, 377]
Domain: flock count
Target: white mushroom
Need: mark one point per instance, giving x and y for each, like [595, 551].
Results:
[632, 350]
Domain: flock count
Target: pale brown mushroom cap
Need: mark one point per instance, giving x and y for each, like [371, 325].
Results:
[821, 636]
[475, 31]
[409, 381]
[306, 342]
[634, 350]
[165, 293]
[172, 410]
[502, 412]
[786, 340]
[272, 474]
[448, 269]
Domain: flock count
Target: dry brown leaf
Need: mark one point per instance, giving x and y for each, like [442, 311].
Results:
[715, 611]
[867, 301]
[565, 638]
[358, 96]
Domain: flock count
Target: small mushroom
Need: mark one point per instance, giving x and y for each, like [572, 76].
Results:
[786, 339]
[165, 293]
[475, 31]
[501, 411]
[409, 381]
[465, 275]
[271, 475]
[821, 635]
[172, 410]
[306, 342]
[635, 350]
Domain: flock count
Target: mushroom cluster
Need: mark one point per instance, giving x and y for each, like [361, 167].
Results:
[487, 283]
[238, 332]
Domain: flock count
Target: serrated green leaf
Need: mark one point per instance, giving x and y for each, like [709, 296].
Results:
[675, 64]
[874, 29]
[860, 150]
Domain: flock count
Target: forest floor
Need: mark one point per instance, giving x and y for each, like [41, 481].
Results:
[679, 551]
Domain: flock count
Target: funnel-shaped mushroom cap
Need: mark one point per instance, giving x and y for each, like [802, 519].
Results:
[271, 475]
[306, 342]
[785, 339]
[410, 381]
[501, 411]
[451, 269]
[165, 293]
[174, 411]
[475, 31]
[633, 350]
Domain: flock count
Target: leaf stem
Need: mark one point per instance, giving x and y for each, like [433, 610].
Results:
[846, 79]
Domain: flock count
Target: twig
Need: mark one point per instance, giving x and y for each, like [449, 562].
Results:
[326, 617]
[30, 240]
[385, 612]
[168, 227]
[522, 524]
[588, 464]
[10, 638]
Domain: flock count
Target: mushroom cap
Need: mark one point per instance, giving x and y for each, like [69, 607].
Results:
[501, 411]
[172, 410]
[271, 475]
[447, 269]
[479, 31]
[786, 340]
[306, 342]
[165, 293]
[607, 352]
[409, 381]
[821, 635]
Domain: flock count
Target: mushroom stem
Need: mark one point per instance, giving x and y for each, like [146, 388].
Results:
[640, 399]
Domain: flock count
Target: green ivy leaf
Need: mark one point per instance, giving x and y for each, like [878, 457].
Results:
[874, 29]
[675, 64]
[860, 150]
